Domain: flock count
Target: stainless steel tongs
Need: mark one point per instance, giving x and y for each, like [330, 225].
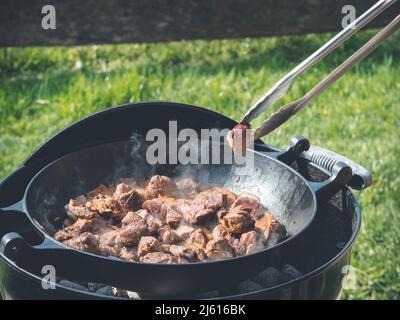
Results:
[282, 86]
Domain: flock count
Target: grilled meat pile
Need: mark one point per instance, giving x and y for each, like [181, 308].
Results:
[161, 220]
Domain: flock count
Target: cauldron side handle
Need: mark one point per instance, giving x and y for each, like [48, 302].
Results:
[326, 159]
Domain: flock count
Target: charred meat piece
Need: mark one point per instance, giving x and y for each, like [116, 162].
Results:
[247, 243]
[128, 235]
[214, 198]
[184, 231]
[147, 245]
[74, 230]
[121, 189]
[168, 235]
[153, 223]
[250, 203]
[86, 242]
[204, 205]
[160, 186]
[187, 188]
[158, 257]
[110, 244]
[180, 251]
[106, 206]
[101, 190]
[109, 250]
[228, 197]
[156, 207]
[238, 220]
[129, 198]
[189, 254]
[275, 233]
[240, 138]
[219, 249]
[272, 230]
[128, 254]
[185, 208]
[221, 214]
[78, 210]
[198, 239]
[96, 225]
[220, 232]
[264, 222]
[173, 218]
[200, 253]
[131, 233]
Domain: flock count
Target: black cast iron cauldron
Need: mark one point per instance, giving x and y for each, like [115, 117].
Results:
[116, 118]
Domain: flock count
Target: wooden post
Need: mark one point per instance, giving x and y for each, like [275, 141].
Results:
[118, 21]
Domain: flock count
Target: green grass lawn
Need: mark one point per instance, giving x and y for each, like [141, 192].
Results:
[44, 89]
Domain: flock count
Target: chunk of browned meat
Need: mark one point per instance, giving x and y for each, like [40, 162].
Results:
[101, 190]
[128, 235]
[247, 243]
[204, 205]
[109, 250]
[221, 213]
[77, 210]
[106, 206]
[251, 203]
[173, 218]
[187, 188]
[72, 231]
[180, 251]
[156, 207]
[128, 254]
[198, 239]
[130, 217]
[219, 249]
[165, 247]
[110, 243]
[128, 197]
[184, 207]
[228, 197]
[121, 189]
[160, 186]
[147, 245]
[263, 223]
[200, 253]
[184, 231]
[153, 222]
[131, 233]
[168, 235]
[238, 220]
[275, 233]
[192, 254]
[86, 241]
[158, 257]
[96, 225]
[215, 198]
[220, 232]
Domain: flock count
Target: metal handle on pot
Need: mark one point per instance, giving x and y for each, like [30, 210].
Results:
[13, 218]
[75, 265]
[340, 176]
[340, 172]
[326, 159]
